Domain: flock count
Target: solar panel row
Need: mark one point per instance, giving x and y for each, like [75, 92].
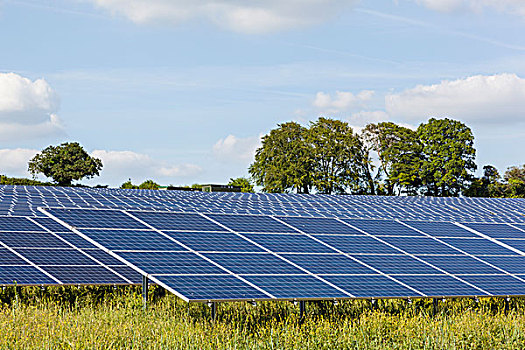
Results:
[236, 257]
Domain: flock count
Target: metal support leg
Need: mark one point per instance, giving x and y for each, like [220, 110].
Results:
[145, 285]
[507, 305]
[302, 310]
[373, 304]
[213, 307]
[435, 306]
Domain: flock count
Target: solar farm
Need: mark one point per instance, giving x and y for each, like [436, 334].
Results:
[221, 247]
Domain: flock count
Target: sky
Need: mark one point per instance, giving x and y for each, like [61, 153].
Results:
[182, 91]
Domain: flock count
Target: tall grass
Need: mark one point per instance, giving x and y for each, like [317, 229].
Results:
[108, 318]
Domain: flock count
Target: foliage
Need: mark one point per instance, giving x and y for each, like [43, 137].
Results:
[128, 185]
[337, 164]
[65, 163]
[399, 152]
[242, 182]
[492, 185]
[515, 181]
[4, 180]
[149, 185]
[448, 157]
[283, 163]
[113, 318]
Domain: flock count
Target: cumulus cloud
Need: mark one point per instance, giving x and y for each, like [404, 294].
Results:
[237, 149]
[511, 6]
[490, 99]
[27, 108]
[249, 16]
[13, 162]
[363, 118]
[139, 166]
[341, 101]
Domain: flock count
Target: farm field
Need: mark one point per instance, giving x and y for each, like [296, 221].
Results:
[113, 318]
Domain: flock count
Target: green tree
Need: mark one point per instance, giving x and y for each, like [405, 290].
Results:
[399, 153]
[283, 163]
[448, 157]
[129, 185]
[149, 185]
[242, 182]
[338, 164]
[65, 163]
[488, 185]
[515, 182]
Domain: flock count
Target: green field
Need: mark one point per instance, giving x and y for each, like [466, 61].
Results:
[113, 318]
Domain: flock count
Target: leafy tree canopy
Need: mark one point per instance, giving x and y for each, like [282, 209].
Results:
[149, 185]
[128, 185]
[65, 163]
[242, 182]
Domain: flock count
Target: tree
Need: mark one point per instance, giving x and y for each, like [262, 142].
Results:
[338, 163]
[65, 163]
[515, 181]
[128, 185]
[489, 185]
[283, 163]
[399, 153]
[149, 185]
[448, 157]
[242, 182]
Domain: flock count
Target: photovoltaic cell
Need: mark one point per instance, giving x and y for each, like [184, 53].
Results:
[56, 257]
[328, 264]
[214, 241]
[202, 288]
[382, 227]
[86, 218]
[251, 263]
[31, 240]
[460, 264]
[376, 285]
[498, 284]
[288, 243]
[397, 264]
[23, 275]
[357, 244]
[177, 221]
[441, 229]
[478, 246]
[514, 243]
[9, 258]
[319, 225]
[132, 240]
[84, 275]
[440, 285]
[417, 245]
[287, 287]
[251, 223]
[497, 230]
[11, 224]
[170, 263]
[102, 256]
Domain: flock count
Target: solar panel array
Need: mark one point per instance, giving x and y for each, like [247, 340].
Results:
[236, 246]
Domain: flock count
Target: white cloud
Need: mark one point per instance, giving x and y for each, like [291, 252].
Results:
[248, 16]
[490, 99]
[27, 108]
[511, 6]
[13, 162]
[138, 166]
[363, 118]
[342, 101]
[237, 149]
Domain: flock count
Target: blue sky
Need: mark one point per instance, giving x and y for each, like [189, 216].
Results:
[182, 93]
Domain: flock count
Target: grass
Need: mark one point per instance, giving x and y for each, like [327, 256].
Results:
[113, 318]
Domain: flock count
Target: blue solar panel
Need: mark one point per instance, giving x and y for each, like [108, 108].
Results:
[288, 243]
[251, 223]
[103, 257]
[128, 273]
[397, 264]
[357, 244]
[478, 246]
[30, 240]
[287, 287]
[253, 263]
[9, 258]
[132, 240]
[371, 285]
[23, 275]
[514, 243]
[497, 230]
[214, 241]
[511, 264]
[440, 285]
[441, 229]
[417, 245]
[84, 275]
[50, 224]
[177, 221]
[11, 224]
[108, 219]
[171, 263]
[498, 284]
[203, 288]
[319, 225]
[76, 240]
[383, 227]
[55, 257]
[460, 264]
[328, 263]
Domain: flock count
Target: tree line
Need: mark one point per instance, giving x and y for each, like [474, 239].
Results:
[329, 157]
